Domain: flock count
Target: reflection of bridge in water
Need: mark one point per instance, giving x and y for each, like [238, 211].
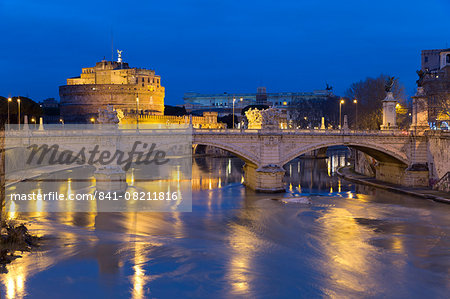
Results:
[316, 175]
[303, 173]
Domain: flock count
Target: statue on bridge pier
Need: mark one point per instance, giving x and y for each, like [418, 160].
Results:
[420, 106]
[389, 84]
[108, 116]
[421, 75]
[389, 107]
[254, 118]
[271, 119]
[268, 119]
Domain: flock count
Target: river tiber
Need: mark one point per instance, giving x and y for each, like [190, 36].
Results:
[225, 150]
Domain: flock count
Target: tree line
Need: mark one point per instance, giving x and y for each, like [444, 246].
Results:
[362, 103]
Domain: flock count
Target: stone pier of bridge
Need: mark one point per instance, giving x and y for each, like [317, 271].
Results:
[268, 174]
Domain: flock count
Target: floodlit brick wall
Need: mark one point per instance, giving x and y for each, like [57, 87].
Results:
[85, 100]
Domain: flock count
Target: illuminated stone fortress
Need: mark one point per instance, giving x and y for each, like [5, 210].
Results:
[111, 83]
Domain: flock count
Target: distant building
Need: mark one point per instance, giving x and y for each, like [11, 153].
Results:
[435, 60]
[223, 103]
[51, 112]
[436, 84]
[49, 103]
[114, 83]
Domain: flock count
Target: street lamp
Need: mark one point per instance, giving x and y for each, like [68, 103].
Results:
[9, 100]
[18, 120]
[340, 112]
[234, 100]
[61, 121]
[355, 101]
[137, 112]
[92, 120]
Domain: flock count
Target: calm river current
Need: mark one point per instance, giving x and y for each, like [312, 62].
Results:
[349, 241]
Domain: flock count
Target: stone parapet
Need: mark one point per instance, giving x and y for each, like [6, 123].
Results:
[207, 121]
[267, 178]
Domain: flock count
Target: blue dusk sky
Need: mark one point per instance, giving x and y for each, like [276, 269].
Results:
[211, 46]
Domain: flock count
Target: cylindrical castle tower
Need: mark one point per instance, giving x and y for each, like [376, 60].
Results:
[132, 90]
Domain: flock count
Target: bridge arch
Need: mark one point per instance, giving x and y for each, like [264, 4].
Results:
[241, 153]
[380, 153]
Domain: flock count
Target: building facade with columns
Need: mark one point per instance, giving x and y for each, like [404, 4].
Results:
[111, 83]
[223, 102]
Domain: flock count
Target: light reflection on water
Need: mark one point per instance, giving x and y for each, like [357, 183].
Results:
[351, 241]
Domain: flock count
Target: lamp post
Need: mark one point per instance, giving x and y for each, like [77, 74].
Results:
[240, 100]
[9, 100]
[137, 112]
[355, 101]
[18, 113]
[340, 112]
[234, 100]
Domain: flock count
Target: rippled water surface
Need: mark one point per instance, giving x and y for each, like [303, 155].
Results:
[348, 241]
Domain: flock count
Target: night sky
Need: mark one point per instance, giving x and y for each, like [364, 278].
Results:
[213, 46]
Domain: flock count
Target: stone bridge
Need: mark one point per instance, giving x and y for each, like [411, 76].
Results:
[413, 157]
[403, 157]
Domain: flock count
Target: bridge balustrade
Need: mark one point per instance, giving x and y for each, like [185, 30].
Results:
[307, 132]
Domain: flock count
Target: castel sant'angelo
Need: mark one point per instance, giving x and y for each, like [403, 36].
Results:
[111, 83]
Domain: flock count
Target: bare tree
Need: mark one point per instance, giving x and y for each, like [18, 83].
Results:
[437, 90]
[439, 108]
[444, 101]
[309, 112]
[369, 95]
